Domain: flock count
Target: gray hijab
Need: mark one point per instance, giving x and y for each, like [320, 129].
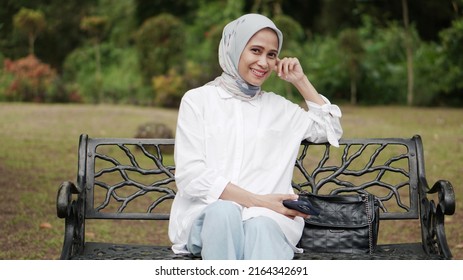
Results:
[235, 36]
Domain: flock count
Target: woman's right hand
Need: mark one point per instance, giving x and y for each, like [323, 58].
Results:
[275, 202]
[271, 201]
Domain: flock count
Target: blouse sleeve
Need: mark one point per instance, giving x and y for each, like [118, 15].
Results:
[326, 123]
[195, 180]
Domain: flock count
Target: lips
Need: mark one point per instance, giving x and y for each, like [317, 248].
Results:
[259, 73]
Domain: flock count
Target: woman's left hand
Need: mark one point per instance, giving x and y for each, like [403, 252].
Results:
[289, 69]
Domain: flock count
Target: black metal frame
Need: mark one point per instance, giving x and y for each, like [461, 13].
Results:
[76, 202]
[359, 146]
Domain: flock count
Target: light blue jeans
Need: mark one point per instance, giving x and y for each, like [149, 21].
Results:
[220, 234]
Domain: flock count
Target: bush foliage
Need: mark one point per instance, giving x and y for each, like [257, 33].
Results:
[156, 62]
[160, 42]
[28, 79]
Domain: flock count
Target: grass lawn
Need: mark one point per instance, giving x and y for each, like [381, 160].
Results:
[39, 150]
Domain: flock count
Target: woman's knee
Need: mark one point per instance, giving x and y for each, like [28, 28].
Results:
[261, 224]
[264, 239]
[222, 209]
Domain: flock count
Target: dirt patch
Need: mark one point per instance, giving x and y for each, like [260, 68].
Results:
[22, 234]
[10, 190]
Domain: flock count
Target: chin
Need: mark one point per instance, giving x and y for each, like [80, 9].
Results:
[257, 82]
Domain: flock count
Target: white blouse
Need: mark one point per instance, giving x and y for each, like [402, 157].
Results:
[252, 144]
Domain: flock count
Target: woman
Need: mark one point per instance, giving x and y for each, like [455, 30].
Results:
[236, 147]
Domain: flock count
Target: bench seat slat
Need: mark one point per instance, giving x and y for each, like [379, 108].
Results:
[107, 251]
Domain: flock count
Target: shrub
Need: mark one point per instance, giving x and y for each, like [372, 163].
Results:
[452, 63]
[169, 89]
[31, 80]
[321, 64]
[160, 41]
[292, 31]
[156, 130]
[426, 63]
[120, 79]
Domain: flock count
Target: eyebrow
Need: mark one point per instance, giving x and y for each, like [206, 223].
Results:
[260, 46]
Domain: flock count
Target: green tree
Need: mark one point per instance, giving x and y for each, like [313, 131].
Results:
[408, 42]
[321, 63]
[383, 64]
[427, 66]
[31, 23]
[96, 27]
[268, 7]
[204, 37]
[121, 80]
[452, 49]
[184, 9]
[121, 20]
[292, 47]
[62, 33]
[161, 44]
[352, 48]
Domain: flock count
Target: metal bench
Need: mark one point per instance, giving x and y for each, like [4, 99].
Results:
[133, 179]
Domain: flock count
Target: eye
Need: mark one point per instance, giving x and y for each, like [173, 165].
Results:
[272, 55]
[255, 50]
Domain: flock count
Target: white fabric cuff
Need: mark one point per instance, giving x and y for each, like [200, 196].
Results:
[325, 113]
[326, 108]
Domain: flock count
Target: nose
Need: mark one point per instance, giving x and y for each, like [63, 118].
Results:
[262, 61]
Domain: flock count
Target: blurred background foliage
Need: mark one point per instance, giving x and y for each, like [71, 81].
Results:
[149, 52]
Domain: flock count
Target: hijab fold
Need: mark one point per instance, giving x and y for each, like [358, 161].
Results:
[235, 36]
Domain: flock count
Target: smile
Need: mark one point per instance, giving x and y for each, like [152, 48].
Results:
[258, 73]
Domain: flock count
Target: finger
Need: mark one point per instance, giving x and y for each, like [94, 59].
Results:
[294, 64]
[289, 213]
[286, 68]
[277, 66]
[305, 216]
[300, 214]
[295, 213]
[289, 197]
[280, 67]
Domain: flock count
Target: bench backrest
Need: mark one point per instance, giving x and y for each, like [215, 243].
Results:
[134, 178]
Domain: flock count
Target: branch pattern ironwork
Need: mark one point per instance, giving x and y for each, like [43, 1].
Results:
[326, 172]
[378, 166]
[160, 186]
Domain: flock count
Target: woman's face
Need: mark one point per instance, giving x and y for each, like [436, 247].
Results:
[259, 57]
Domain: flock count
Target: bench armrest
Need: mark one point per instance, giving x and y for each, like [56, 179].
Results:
[446, 195]
[63, 200]
[433, 218]
[67, 209]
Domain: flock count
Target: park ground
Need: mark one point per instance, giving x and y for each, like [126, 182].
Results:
[38, 150]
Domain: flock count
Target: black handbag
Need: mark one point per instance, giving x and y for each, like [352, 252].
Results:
[346, 224]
